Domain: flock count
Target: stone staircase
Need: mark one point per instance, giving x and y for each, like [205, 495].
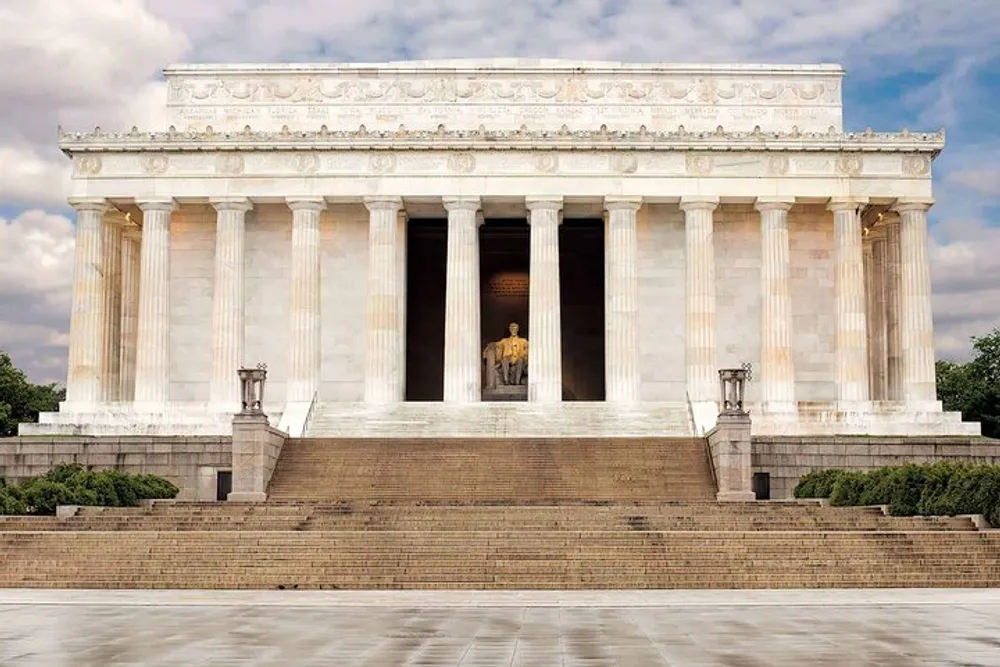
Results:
[512, 470]
[499, 419]
[493, 546]
[620, 513]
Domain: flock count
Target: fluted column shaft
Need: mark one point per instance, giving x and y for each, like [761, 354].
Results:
[850, 320]
[877, 323]
[111, 335]
[84, 379]
[401, 255]
[130, 309]
[919, 383]
[462, 377]
[305, 309]
[228, 302]
[893, 309]
[777, 368]
[544, 309]
[621, 301]
[382, 372]
[152, 357]
[866, 255]
[699, 303]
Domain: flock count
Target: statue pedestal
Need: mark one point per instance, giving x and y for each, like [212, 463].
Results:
[513, 392]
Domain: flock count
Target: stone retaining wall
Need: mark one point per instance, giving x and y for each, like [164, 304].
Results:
[787, 458]
[190, 462]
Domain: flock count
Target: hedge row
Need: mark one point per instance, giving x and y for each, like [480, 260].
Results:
[71, 484]
[936, 489]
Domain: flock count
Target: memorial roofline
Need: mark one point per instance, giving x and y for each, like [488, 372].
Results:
[503, 65]
[444, 139]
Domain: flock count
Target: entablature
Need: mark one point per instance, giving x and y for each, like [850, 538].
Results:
[403, 139]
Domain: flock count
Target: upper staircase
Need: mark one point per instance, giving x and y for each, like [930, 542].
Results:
[512, 470]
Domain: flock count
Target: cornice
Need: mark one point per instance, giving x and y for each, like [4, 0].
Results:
[603, 139]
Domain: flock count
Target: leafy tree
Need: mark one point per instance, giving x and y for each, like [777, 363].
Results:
[973, 388]
[20, 400]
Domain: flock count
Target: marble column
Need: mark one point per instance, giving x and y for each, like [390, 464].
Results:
[621, 357]
[382, 372]
[462, 353]
[544, 309]
[305, 323]
[84, 380]
[401, 254]
[777, 368]
[152, 356]
[867, 254]
[877, 323]
[893, 309]
[919, 382]
[130, 309]
[228, 303]
[700, 355]
[111, 338]
[850, 322]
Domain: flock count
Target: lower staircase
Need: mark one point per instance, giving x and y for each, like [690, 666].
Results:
[494, 514]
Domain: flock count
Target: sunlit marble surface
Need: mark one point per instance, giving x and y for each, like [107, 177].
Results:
[620, 629]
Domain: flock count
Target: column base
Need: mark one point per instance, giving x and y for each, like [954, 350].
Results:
[246, 497]
[854, 406]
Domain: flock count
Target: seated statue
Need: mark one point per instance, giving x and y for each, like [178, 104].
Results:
[506, 359]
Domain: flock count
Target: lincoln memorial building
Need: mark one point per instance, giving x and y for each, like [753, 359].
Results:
[372, 232]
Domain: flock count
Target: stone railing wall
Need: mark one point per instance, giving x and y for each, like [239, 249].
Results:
[190, 462]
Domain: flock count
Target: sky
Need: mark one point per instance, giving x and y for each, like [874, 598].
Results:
[919, 64]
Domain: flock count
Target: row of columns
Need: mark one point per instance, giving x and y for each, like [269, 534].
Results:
[120, 323]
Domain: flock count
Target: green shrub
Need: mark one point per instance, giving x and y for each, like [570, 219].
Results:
[72, 484]
[10, 499]
[847, 488]
[945, 488]
[817, 484]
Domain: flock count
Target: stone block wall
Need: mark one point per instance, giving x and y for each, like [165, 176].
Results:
[190, 462]
[787, 458]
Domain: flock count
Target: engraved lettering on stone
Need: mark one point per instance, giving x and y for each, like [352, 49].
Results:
[461, 163]
[305, 163]
[850, 165]
[155, 164]
[229, 164]
[624, 163]
[547, 163]
[777, 165]
[698, 164]
[382, 163]
[88, 165]
[916, 165]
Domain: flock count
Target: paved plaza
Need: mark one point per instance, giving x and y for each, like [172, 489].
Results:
[620, 629]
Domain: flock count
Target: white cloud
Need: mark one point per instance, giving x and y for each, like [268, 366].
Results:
[984, 180]
[36, 277]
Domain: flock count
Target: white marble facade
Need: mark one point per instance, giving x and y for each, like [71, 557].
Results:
[267, 224]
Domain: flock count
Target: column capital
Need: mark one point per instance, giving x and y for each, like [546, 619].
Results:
[915, 204]
[461, 203]
[167, 204]
[618, 203]
[242, 204]
[699, 203]
[97, 204]
[306, 203]
[846, 203]
[383, 203]
[544, 203]
[774, 203]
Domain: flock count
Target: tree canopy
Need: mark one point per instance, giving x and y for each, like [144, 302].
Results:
[973, 388]
[21, 400]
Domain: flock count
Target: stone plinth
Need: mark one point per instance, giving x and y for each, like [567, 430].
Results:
[729, 444]
[256, 448]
